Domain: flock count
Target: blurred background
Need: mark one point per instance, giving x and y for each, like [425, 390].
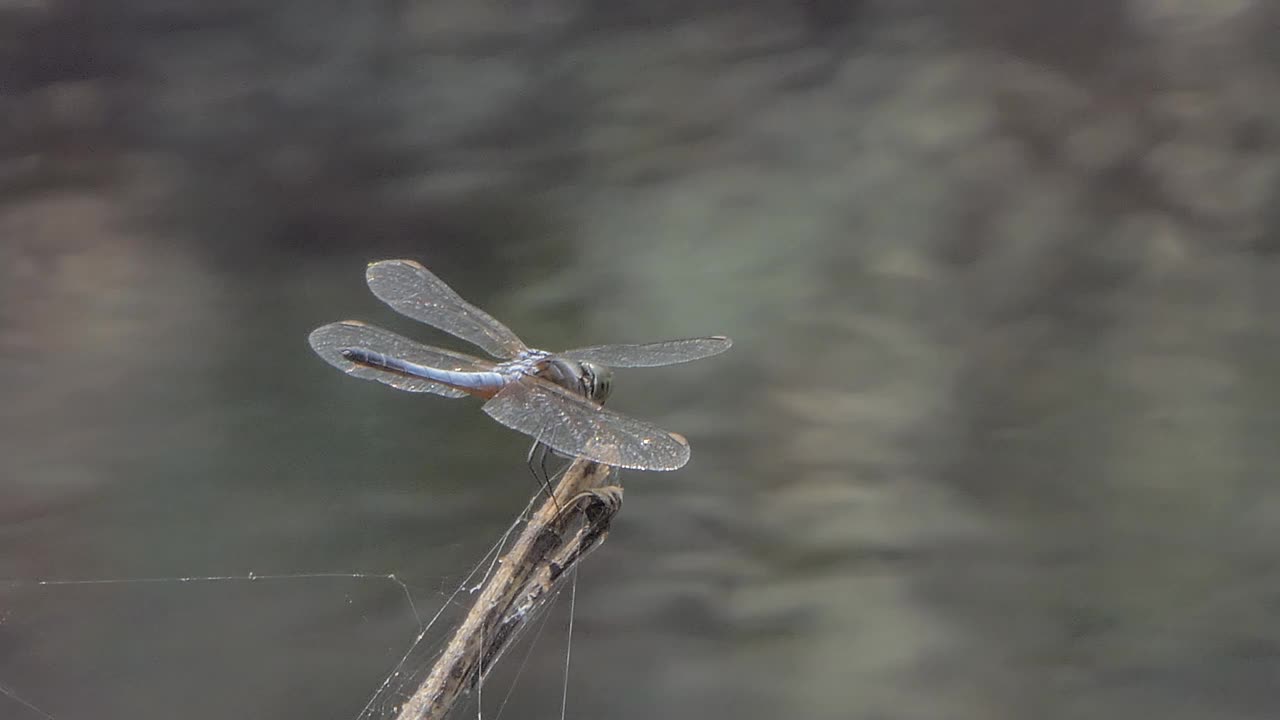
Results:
[997, 437]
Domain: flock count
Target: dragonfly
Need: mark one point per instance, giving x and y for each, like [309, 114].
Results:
[555, 398]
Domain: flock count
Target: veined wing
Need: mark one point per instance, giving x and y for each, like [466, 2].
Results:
[330, 340]
[667, 352]
[412, 290]
[577, 427]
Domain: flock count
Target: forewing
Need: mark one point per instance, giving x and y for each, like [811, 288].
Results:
[667, 352]
[577, 427]
[330, 340]
[412, 290]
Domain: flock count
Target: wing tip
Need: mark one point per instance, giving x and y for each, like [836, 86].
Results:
[387, 262]
[679, 458]
[370, 270]
[315, 337]
[318, 334]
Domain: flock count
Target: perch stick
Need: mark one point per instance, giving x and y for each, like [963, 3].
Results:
[525, 576]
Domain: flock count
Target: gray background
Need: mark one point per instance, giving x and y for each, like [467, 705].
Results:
[996, 440]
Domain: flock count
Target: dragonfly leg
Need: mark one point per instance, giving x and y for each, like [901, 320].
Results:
[537, 461]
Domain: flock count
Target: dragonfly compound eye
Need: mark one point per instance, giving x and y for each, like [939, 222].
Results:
[599, 381]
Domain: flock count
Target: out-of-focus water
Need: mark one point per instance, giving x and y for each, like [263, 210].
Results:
[165, 418]
[996, 438]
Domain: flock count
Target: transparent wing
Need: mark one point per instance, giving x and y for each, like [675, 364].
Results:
[668, 352]
[330, 340]
[412, 290]
[577, 427]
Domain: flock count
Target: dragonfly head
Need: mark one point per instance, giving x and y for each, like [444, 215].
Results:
[588, 379]
[597, 381]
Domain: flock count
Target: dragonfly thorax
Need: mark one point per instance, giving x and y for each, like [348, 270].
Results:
[588, 379]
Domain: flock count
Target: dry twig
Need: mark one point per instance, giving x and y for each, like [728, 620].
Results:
[556, 538]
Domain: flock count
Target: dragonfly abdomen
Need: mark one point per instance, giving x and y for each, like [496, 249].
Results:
[481, 383]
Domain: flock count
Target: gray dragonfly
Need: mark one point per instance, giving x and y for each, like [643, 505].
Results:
[555, 398]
